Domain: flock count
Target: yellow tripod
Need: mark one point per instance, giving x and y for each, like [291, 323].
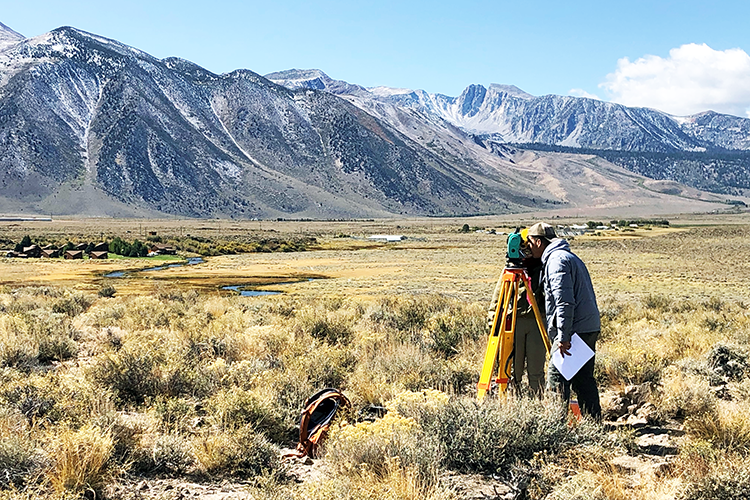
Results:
[503, 329]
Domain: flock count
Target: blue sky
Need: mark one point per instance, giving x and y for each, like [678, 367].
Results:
[681, 55]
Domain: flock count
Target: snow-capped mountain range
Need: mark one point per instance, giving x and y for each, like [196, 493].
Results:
[511, 115]
[92, 126]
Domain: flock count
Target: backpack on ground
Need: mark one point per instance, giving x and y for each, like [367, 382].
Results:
[316, 418]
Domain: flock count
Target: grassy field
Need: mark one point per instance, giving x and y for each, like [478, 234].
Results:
[168, 377]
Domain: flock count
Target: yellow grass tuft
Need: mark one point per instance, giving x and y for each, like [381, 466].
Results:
[727, 427]
[80, 459]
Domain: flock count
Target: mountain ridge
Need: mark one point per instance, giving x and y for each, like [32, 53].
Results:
[505, 114]
[89, 125]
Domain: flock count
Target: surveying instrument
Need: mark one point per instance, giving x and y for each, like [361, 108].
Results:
[502, 334]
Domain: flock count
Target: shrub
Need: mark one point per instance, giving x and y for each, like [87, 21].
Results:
[19, 461]
[395, 366]
[324, 366]
[80, 459]
[175, 413]
[407, 315]
[656, 302]
[133, 374]
[34, 403]
[714, 303]
[493, 435]
[167, 454]
[728, 361]
[327, 323]
[18, 348]
[680, 395]
[55, 397]
[243, 453]
[630, 362]
[448, 330]
[234, 409]
[56, 348]
[107, 290]
[712, 475]
[73, 305]
[376, 447]
[728, 427]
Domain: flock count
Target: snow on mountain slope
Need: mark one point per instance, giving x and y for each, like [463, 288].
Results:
[92, 126]
[8, 37]
[518, 117]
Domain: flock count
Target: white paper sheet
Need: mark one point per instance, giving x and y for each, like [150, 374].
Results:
[580, 353]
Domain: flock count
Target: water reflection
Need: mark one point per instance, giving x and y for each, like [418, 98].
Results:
[249, 293]
[190, 262]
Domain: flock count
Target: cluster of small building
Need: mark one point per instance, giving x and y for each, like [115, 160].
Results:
[576, 229]
[99, 251]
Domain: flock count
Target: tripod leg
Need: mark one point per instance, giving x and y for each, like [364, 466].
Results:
[507, 332]
[493, 343]
[501, 336]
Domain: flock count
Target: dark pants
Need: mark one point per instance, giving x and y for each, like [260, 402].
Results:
[583, 382]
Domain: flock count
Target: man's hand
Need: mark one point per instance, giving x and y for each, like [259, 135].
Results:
[564, 348]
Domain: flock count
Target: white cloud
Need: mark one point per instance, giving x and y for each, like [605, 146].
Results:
[692, 79]
[582, 93]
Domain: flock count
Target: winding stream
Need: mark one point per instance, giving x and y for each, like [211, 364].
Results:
[248, 290]
[191, 261]
[251, 290]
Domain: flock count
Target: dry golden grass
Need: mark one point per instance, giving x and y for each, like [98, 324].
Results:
[79, 459]
[174, 376]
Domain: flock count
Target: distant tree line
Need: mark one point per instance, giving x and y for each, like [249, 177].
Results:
[190, 244]
[25, 242]
[126, 249]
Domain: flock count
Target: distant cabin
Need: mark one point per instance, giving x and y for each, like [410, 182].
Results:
[390, 238]
[50, 253]
[81, 246]
[33, 251]
[162, 249]
[98, 255]
[101, 247]
[73, 254]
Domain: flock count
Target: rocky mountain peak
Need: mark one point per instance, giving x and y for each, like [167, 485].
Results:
[301, 78]
[511, 90]
[312, 79]
[471, 99]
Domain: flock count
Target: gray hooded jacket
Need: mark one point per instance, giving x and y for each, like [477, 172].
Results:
[568, 293]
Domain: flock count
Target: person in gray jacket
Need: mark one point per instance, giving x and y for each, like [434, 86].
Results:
[571, 308]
